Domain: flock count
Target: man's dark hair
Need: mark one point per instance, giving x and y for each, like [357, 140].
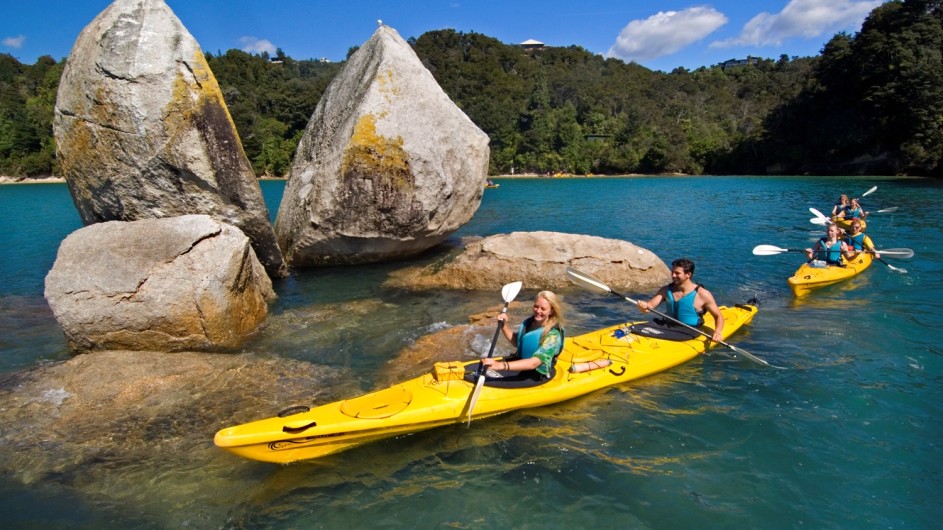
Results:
[685, 264]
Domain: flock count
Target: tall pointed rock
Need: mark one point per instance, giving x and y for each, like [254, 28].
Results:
[142, 130]
[387, 167]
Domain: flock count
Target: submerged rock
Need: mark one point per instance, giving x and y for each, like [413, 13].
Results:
[388, 166]
[142, 130]
[539, 259]
[183, 283]
[102, 410]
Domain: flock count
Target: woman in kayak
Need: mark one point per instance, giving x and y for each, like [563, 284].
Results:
[858, 241]
[854, 210]
[840, 206]
[830, 248]
[539, 339]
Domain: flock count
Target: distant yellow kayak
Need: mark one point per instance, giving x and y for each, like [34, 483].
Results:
[808, 277]
[598, 359]
[845, 224]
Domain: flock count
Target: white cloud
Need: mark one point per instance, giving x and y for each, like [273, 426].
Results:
[256, 45]
[14, 42]
[665, 33]
[803, 19]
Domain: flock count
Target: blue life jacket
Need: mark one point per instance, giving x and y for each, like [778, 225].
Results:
[528, 342]
[831, 255]
[683, 309]
[852, 213]
[856, 242]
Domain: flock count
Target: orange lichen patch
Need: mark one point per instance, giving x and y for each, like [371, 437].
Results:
[370, 155]
[193, 90]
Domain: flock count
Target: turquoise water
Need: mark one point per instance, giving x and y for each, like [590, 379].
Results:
[848, 436]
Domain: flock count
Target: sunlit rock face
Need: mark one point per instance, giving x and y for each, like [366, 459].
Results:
[142, 130]
[181, 283]
[387, 167]
[540, 260]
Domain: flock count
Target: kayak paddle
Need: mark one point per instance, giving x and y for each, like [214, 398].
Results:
[820, 215]
[508, 293]
[893, 268]
[585, 280]
[870, 191]
[770, 250]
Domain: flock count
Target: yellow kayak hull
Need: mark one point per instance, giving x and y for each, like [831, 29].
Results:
[441, 396]
[807, 278]
[845, 224]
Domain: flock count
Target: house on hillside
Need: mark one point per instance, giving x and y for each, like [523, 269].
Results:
[531, 44]
[739, 62]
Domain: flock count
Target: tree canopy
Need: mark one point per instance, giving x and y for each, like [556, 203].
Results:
[870, 103]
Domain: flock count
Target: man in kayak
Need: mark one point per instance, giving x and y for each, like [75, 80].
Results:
[539, 339]
[830, 248]
[858, 241]
[685, 300]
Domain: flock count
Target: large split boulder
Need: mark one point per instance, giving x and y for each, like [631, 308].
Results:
[387, 167]
[142, 130]
[539, 259]
[181, 283]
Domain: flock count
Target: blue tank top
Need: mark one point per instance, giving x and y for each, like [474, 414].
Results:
[683, 309]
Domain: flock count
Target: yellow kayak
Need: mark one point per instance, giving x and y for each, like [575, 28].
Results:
[598, 359]
[845, 224]
[808, 277]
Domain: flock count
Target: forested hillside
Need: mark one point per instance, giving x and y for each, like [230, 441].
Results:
[871, 103]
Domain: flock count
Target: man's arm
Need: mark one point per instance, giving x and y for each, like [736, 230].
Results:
[711, 306]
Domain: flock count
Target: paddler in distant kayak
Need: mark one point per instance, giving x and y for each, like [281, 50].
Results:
[685, 300]
[859, 241]
[539, 339]
[853, 211]
[830, 248]
[840, 206]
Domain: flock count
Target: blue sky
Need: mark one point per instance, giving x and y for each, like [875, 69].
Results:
[660, 35]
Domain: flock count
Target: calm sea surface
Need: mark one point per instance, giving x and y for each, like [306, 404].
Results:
[848, 436]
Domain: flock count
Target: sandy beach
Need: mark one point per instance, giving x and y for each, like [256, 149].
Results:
[24, 180]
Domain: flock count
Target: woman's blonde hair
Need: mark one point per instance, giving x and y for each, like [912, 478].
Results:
[556, 312]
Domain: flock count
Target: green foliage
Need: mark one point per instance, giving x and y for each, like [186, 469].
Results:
[870, 103]
[874, 102]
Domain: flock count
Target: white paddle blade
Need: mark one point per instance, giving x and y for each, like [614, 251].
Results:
[870, 191]
[819, 214]
[768, 250]
[509, 291]
[888, 210]
[896, 269]
[903, 253]
[474, 397]
[818, 221]
[585, 280]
